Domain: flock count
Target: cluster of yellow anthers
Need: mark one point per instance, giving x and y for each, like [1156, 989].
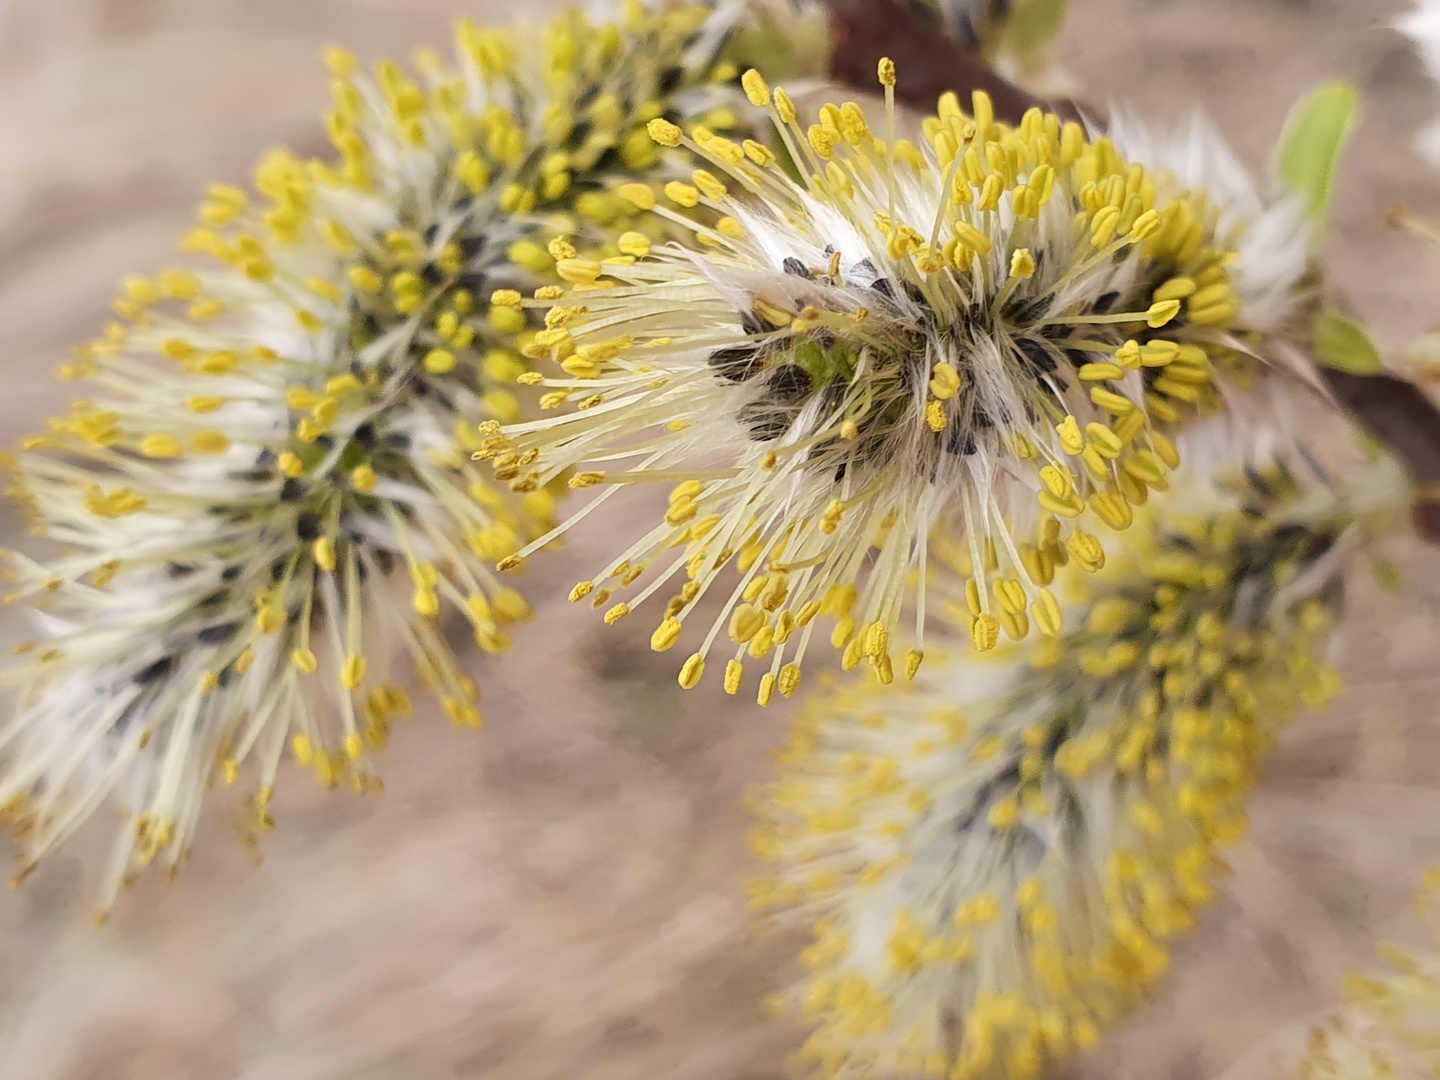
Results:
[1390, 1027]
[993, 858]
[270, 491]
[994, 332]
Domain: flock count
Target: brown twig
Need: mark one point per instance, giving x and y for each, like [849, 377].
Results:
[1397, 412]
[864, 31]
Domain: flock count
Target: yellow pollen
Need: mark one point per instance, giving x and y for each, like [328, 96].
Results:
[160, 446]
[666, 635]
[691, 672]
[985, 633]
[784, 106]
[638, 194]
[664, 132]
[364, 479]
[945, 383]
[756, 88]
[634, 243]
[1161, 313]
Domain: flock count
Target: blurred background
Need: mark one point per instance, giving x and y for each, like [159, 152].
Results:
[561, 895]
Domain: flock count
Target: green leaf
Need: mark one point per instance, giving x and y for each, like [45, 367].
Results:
[1314, 138]
[1343, 344]
[1034, 25]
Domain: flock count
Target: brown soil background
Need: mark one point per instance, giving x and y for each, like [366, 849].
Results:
[560, 896]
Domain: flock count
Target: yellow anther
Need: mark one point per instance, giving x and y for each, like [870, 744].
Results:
[1144, 226]
[972, 238]
[734, 673]
[616, 613]
[1022, 264]
[822, 141]
[1161, 313]
[1112, 509]
[1048, 616]
[664, 132]
[324, 552]
[1058, 481]
[945, 381]
[1087, 550]
[772, 313]
[303, 749]
[1165, 449]
[784, 106]
[1105, 441]
[364, 479]
[473, 171]
[886, 71]
[745, 623]
[985, 633]
[640, 195]
[875, 639]
[1101, 372]
[666, 635]
[439, 361]
[305, 660]
[579, 271]
[1010, 594]
[325, 411]
[160, 446]
[269, 618]
[365, 279]
[1111, 402]
[759, 153]
[210, 442]
[352, 673]
[1102, 228]
[1161, 353]
[1129, 355]
[691, 672]
[936, 417]
[1005, 814]
[1146, 467]
[683, 195]
[982, 108]
[1070, 506]
[1071, 439]
[756, 89]
[180, 284]
[709, 184]
[1177, 288]
[634, 243]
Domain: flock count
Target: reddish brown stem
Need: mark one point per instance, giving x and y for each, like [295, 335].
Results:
[930, 63]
